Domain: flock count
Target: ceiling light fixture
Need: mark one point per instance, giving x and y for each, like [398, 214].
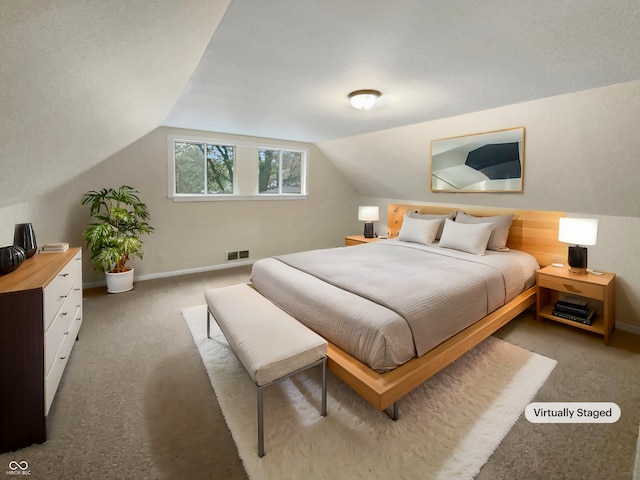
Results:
[364, 99]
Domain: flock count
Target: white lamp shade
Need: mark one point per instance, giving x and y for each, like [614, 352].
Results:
[578, 231]
[368, 214]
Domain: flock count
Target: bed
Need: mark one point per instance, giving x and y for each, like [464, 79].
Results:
[385, 335]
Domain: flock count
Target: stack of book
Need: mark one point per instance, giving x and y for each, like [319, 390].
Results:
[55, 248]
[573, 308]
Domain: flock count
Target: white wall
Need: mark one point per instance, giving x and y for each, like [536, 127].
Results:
[194, 235]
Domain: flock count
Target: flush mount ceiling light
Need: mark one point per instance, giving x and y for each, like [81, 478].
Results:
[364, 99]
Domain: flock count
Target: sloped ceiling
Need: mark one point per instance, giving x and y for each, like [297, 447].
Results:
[81, 80]
[284, 68]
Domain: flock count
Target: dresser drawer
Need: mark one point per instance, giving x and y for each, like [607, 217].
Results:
[52, 379]
[572, 287]
[58, 289]
[61, 325]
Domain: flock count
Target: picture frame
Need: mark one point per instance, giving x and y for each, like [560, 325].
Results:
[481, 162]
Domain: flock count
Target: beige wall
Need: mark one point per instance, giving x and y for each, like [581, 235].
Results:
[196, 235]
[582, 153]
[581, 157]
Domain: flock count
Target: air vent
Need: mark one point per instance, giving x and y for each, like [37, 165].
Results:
[238, 255]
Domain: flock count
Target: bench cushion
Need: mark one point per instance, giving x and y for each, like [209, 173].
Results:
[269, 342]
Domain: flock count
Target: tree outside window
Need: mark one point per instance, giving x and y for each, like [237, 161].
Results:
[203, 169]
[280, 172]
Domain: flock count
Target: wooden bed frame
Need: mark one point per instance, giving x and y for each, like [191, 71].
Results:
[535, 232]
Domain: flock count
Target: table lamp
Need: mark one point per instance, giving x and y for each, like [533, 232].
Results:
[368, 215]
[579, 232]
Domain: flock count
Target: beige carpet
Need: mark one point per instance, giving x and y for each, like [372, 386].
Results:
[448, 427]
[136, 402]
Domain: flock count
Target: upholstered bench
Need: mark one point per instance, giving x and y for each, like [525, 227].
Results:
[270, 344]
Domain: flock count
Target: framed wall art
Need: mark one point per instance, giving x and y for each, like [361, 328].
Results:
[481, 162]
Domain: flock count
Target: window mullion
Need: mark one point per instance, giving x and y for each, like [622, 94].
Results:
[206, 177]
[280, 172]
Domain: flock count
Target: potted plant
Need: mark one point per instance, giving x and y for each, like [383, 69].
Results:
[114, 238]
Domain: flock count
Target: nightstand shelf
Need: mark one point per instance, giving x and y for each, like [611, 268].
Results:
[599, 290]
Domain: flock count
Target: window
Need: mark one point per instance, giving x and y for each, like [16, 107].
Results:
[203, 168]
[280, 172]
[218, 168]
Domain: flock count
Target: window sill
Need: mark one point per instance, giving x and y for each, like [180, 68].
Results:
[233, 198]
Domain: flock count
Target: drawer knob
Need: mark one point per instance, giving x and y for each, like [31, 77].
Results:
[63, 296]
[79, 319]
[62, 358]
[66, 333]
[64, 314]
[63, 275]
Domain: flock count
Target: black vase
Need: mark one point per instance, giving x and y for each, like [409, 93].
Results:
[11, 258]
[25, 237]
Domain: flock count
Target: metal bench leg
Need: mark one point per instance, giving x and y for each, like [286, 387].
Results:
[260, 423]
[208, 323]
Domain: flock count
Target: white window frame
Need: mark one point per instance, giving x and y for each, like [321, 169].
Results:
[171, 151]
[249, 184]
[303, 171]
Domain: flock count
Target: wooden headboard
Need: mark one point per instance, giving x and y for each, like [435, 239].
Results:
[532, 231]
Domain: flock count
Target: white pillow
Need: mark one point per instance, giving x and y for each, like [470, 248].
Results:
[500, 234]
[467, 237]
[419, 231]
[429, 216]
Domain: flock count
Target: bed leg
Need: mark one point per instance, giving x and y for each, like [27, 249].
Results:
[392, 411]
[324, 387]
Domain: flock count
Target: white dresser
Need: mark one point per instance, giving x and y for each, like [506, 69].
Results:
[40, 317]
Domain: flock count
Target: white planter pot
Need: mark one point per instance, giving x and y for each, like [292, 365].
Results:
[119, 282]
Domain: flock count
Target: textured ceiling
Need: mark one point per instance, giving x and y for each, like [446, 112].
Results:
[81, 80]
[283, 68]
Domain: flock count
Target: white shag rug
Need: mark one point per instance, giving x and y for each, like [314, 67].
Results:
[448, 427]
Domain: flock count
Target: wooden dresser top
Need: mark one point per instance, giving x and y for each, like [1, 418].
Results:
[36, 272]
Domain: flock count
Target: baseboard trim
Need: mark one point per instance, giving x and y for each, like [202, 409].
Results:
[628, 328]
[177, 273]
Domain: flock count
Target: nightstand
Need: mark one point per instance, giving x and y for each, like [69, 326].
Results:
[357, 240]
[553, 282]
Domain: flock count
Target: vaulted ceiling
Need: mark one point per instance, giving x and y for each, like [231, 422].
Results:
[82, 80]
[284, 68]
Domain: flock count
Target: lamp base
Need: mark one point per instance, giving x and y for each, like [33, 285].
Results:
[368, 229]
[578, 260]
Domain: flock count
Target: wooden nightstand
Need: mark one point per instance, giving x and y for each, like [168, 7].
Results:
[599, 290]
[357, 240]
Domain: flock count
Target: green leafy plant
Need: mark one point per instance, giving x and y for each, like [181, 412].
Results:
[115, 235]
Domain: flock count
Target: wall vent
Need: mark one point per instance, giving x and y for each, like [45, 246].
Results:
[238, 255]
